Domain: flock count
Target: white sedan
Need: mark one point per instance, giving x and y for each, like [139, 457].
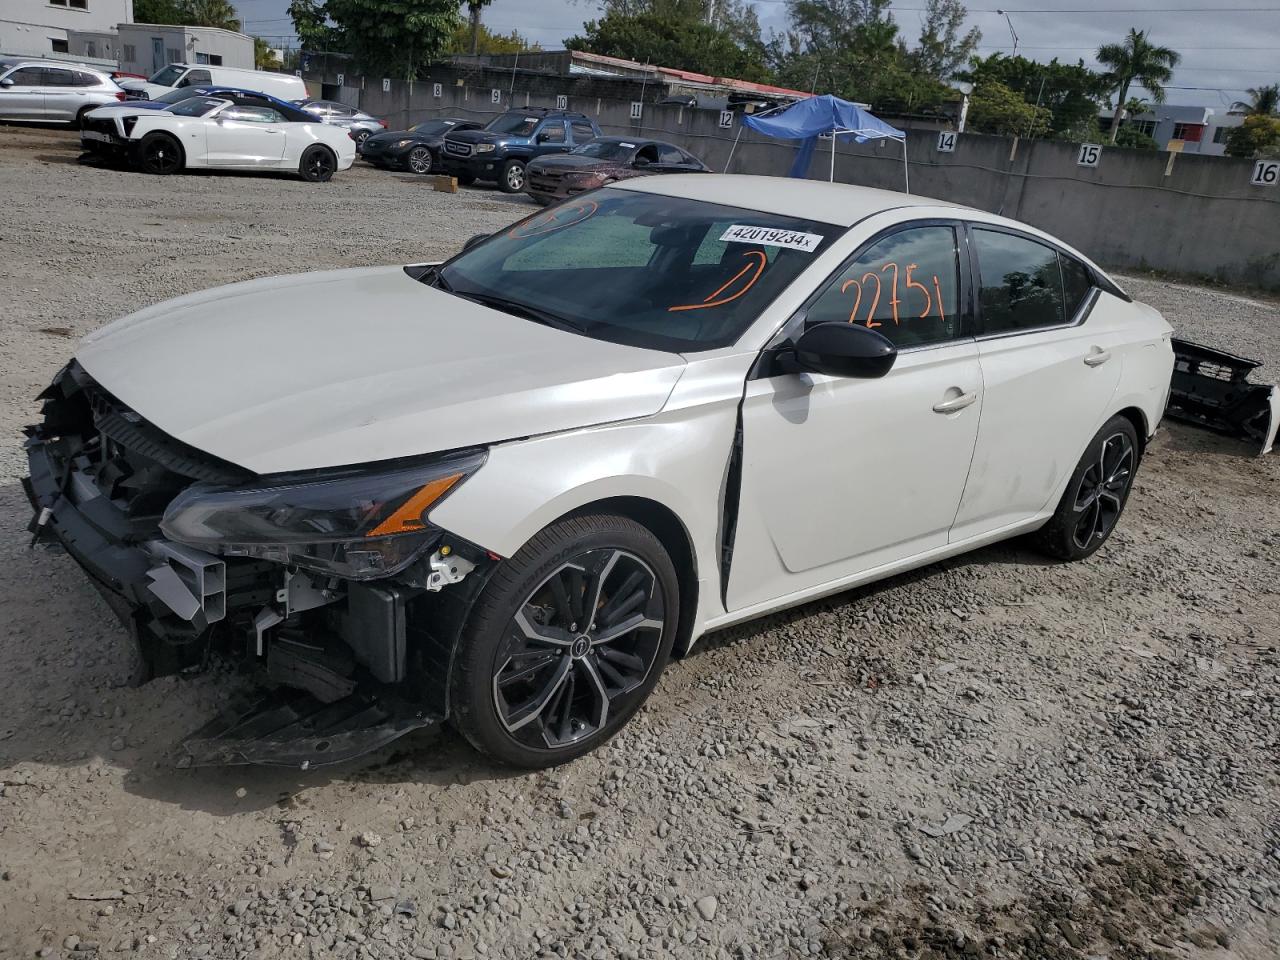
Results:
[221, 132]
[530, 474]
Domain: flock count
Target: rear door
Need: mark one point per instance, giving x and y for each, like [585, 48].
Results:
[62, 96]
[247, 136]
[22, 96]
[582, 132]
[1049, 377]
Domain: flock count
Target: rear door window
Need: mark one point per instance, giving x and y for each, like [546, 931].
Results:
[1077, 282]
[1021, 283]
[582, 132]
[552, 132]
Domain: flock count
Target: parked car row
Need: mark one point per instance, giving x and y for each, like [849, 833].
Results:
[548, 154]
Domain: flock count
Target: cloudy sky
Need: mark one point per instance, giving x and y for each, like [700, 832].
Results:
[1227, 46]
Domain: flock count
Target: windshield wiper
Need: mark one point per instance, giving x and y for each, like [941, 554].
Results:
[518, 309]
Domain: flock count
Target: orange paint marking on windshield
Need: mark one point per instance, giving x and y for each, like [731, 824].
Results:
[942, 314]
[565, 215]
[857, 301]
[928, 300]
[893, 291]
[760, 262]
[876, 302]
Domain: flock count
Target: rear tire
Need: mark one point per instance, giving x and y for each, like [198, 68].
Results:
[566, 642]
[511, 180]
[1096, 494]
[160, 154]
[318, 164]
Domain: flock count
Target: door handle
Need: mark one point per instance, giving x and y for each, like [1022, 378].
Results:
[957, 403]
[1097, 357]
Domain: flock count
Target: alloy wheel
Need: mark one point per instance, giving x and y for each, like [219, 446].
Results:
[578, 645]
[1101, 492]
[515, 177]
[160, 156]
[320, 165]
[420, 160]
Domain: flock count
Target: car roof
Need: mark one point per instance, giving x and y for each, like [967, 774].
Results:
[841, 204]
[56, 64]
[216, 91]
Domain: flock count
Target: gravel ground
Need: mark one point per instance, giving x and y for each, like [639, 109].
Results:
[996, 756]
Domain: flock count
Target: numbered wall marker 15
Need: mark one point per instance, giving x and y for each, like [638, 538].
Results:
[946, 141]
[637, 109]
[562, 102]
[726, 119]
[1089, 155]
[1266, 173]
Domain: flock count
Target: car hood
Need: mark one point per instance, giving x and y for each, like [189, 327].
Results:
[144, 86]
[574, 163]
[395, 136]
[132, 108]
[483, 136]
[355, 366]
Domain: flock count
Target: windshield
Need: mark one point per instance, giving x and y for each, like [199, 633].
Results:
[652, 271]
[432, 128]
[606, 149]
[513, 123]
[195, 106]
[168, 77]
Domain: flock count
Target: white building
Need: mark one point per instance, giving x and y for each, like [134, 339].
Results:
[148, 47]
[42, 28]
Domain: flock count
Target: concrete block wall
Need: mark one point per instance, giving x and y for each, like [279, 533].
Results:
[1185, 214]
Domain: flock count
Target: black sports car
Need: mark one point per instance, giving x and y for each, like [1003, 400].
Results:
[416, 149]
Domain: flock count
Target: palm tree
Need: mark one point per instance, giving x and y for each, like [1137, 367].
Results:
[473, 10]
[212, 13]
[1263, 101]
[1137, 59]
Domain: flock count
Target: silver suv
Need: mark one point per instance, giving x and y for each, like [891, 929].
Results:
[49, 91]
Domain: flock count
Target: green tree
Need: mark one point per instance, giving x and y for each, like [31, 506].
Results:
[311, 24]
[994, 108]
[212, 13]
[1262, 100]
[943, 49]
[1072, 93]
[1131, 136]
[159, 11]
[1136, 60]
[394, 38]
[473, 15]
[488, 41]
[666, 36]
[264, 58]
[1256, 138]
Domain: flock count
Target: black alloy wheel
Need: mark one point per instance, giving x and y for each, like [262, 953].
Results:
[566, 641]
[586, 637]
[1102, 490]
[419, 160]
[159, 154]
[318, 165]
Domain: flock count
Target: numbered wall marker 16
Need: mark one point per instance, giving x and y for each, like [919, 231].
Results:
[1266, 173]
[946, 141]
[726, 119]
[1089, 155]
[386, 85]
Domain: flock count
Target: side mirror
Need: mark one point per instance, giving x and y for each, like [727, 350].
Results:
[542, 138]
[6, 82]
[641, 162]
[841, 349]
[476, 239]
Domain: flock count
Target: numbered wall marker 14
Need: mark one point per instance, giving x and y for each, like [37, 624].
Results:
[946, 141]
[1266, 173]
[1089, 155]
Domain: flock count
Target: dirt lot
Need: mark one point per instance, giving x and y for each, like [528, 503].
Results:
[997, 756]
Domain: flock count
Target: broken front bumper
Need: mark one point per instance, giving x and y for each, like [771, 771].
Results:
[1211, 389]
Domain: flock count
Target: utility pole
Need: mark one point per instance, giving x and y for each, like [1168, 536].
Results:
[1012, 33]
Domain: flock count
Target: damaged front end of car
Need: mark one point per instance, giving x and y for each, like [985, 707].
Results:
[1211, 389]
[333, 581]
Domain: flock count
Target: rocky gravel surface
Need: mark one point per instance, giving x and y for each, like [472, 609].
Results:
[997, 756]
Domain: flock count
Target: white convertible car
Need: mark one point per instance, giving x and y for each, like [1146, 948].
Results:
[224, 131]
[530, 474]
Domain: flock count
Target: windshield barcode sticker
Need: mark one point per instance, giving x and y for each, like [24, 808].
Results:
[772, 237]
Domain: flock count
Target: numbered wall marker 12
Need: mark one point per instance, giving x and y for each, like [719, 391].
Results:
[726, 119]
[946, 141]
[1089, 155]
[1266, 173]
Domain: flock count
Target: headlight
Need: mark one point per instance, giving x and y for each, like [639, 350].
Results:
[485, 147]
[360, 526]
[401, 143]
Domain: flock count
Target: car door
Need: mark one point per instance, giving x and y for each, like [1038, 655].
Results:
[582, 132]
[247, 136]
[840, 476]
[550, 138]
[22, 94]
[671, 159]
[60, 95]
[1049, 377]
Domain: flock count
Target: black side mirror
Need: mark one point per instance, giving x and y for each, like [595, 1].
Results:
[476, 239]
[542, 138]
[641, 162]
[841, 349]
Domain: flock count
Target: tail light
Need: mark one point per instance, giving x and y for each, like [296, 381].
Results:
[352, 134]
[383, 124]
[122, 96]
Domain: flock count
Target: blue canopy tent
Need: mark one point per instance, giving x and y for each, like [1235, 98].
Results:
[806, 120]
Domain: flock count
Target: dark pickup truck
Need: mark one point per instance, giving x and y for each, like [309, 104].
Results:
[509, 141]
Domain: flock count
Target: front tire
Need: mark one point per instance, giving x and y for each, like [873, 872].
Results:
[160, 154]
[511, 180]
[318, 164]
[566, 642]
[419, 160]
[1096, 494]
